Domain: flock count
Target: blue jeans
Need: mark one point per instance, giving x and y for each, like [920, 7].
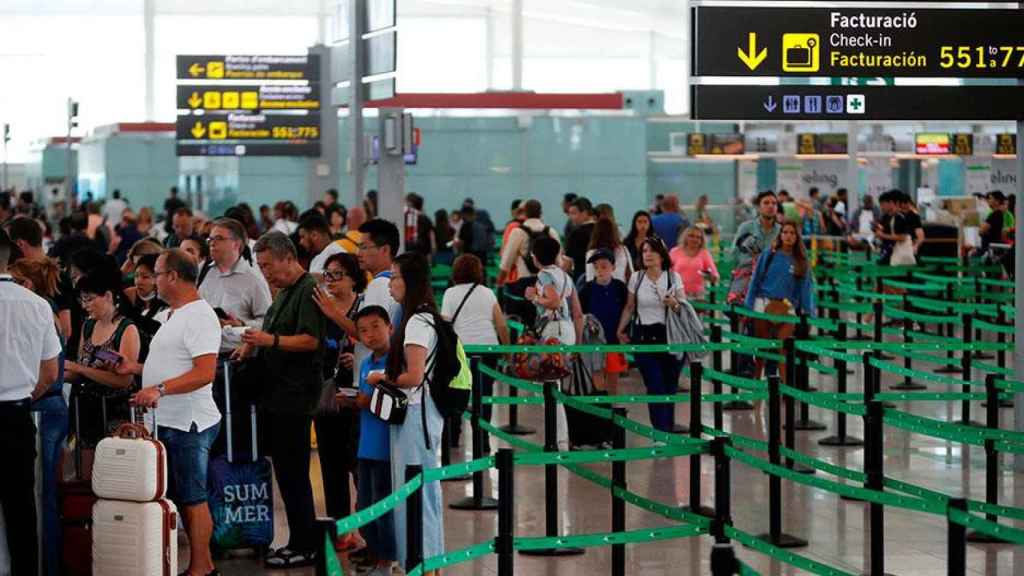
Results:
[188, 459]
[408, 446]
[53, 428]
[660, 373]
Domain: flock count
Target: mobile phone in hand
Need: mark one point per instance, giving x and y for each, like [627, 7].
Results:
[109, 357]
[221, 313]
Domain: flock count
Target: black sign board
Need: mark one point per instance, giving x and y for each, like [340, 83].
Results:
[239, 97]
[807, 102]
[857, 42]
[1006, 143]
[249, 67]
[287, 134]
[248, 149]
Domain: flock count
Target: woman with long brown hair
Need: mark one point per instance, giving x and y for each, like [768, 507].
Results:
[606, 236]
[781, 286]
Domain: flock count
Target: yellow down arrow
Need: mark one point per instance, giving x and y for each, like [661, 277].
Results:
[194, 101]
[197, 130]
[751, 57]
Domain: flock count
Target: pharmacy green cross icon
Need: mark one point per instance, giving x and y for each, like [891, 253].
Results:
[855, 104]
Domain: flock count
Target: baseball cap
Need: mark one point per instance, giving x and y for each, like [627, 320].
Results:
[601, 254]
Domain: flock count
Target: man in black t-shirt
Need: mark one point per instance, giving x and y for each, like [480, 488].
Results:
[891, 227]
[171, 205]
[581, 212]
[992, 227]
[913, 223]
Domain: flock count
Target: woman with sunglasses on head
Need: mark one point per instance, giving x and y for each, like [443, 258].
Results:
[782, 286]
[655, 289]
[639, 231]
[337, 428]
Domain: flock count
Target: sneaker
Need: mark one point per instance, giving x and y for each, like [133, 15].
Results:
[288, 558]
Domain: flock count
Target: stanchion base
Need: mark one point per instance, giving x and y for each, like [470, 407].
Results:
[737, 405]
[469, 503]
[811, 389]
[553, 552]
[979, 538]
[517, 430]
[783, 541]
[1002, 404]
[883, 574]
[948, 370]
[679, 429]
[983, 356]
[841, 441]
[886, 404]
[886, 357]
[850, 372]
[465, 478]
[850, 498]
[974, 423]
[809, 425]
[907, 386]
[684, 389]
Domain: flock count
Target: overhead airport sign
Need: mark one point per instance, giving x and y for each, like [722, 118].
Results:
[248, 105]
[257, 134]
[243, 97]
[249, 67]
[858, 42]
[809, 102]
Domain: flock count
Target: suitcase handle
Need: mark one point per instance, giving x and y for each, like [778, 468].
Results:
[132, 430]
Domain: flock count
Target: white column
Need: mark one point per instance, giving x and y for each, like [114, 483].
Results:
[489, 47]
[517, 44]
[149, 25]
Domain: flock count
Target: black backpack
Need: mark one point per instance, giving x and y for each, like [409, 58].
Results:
[449, 364]
[533, 236]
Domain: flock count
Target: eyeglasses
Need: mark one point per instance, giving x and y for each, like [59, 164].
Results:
[368, 247]
[215, 239]
[334, 276]
[159, 273]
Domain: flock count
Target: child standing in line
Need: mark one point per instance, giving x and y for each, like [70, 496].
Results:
[605, 297]
[374, 458]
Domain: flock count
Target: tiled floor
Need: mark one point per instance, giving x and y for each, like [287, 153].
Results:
[836, 529]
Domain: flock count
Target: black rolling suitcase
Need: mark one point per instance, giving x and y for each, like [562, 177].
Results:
[585, 429]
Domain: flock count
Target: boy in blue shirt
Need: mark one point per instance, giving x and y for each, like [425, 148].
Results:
[605, 298]
[373, 325]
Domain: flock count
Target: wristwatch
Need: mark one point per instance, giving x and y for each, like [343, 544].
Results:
[161, 388]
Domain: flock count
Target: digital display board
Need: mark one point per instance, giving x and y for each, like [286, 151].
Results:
[931, 143]
[858, 42]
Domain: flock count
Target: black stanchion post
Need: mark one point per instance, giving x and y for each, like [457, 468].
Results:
[478, 501]
[413, 522]
[789, 346]
[956, 544]
[1001, 353]
[327, 528]
[696, 428]
[723, 560]
[991, 460]
[875, 480]
[551, 477]
[802, 370]
[860, 316]
[908, 363]
[716, 364]
[734, 364]
[966, 372]
[879, 336]
[503, 543]
[618, 503]
[513, 427]
[950, 331]
[775, 535]
[723, 490]
[841, 438]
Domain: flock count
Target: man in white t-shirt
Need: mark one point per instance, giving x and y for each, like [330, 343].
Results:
[177, 381]
[29, 350]
[315, 238]
[377, 250]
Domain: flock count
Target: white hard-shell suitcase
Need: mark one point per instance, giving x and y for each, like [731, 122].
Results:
[134, 538]
[130, 465]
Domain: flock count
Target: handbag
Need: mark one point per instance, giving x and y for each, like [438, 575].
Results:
[903, 254]
[389, 403]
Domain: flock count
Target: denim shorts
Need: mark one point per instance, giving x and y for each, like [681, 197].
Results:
[188, 457]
